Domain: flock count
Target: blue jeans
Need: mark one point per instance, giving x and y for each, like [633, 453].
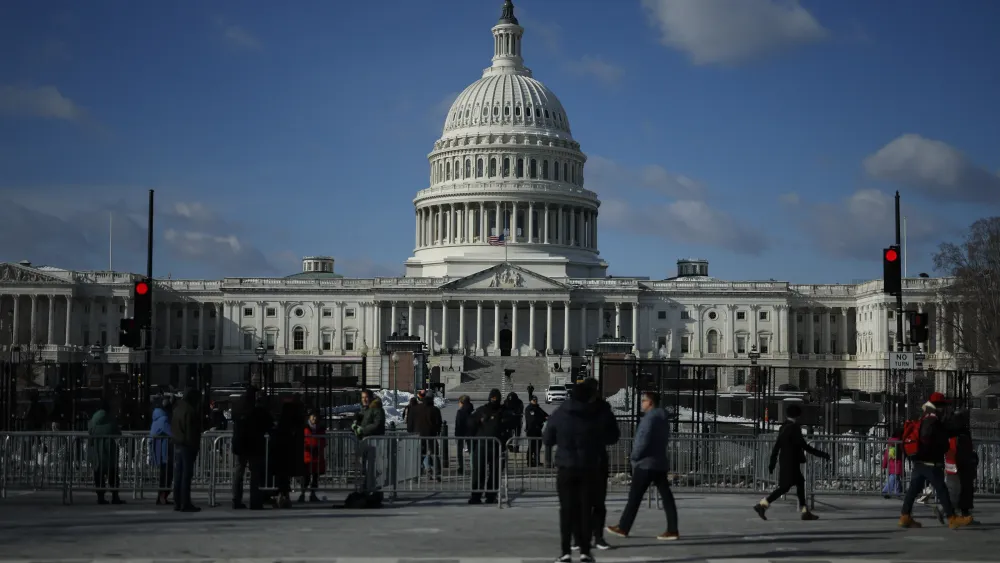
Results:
[921, 475]
[184, 457]
[893, 485]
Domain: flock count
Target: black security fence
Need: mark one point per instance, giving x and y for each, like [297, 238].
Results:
[43, 396]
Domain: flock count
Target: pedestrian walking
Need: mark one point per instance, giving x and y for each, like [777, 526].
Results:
[494, 421]
[649, 467]
[462, 420]
[161, 454]
[789, 452]
[102, 452]
[599, 509]
[515, 405]
[251, 424]
[960, 465]
[187, 429]
[531, 391]
[892, 463]
[926, 441]
[534, 422]
[314, 456]
[427, 424]
[580, 439]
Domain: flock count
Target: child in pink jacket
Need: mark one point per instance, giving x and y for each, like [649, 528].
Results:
[892, 462]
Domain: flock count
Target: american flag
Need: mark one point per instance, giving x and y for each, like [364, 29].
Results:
[497, 240]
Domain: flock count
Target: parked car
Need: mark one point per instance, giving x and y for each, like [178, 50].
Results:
[555, 393]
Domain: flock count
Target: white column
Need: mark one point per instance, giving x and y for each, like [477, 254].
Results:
[844, 348]
[531, 328]
[939, 345]
[754, 315]
[69, 318]
[548, 327]
[618, 320]
[479, 329]
[566, 327]
[824, 324]
[571, 212]
[409, 319]
[561, 225]
[416, 234]
[34, 320]
[428, 331]
[219, 315]
[782, 321]
[635, 327]
[531, 221]
[513, 222]
[496, 327]
[793, 338]
[49, 328]
[184, 325]
[392, 318]
[365, 307]
[444, 327]
[584, 332]
[16, 326]
[545, 239]
[338, 328]
[461, 327]
[595, 229]
[600, 321]
[515, 350]
[201, 327]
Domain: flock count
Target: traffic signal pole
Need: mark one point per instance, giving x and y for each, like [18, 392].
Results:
[147, 330]
[899, 296]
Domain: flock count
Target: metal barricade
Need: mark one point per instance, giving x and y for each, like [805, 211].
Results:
[472, 466]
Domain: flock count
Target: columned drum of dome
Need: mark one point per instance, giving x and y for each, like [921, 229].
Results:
[506, 165]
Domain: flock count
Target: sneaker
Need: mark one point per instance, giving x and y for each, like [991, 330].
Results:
[587, 558]
[565, 559]
[907, 521]
[599, 543]
[761, 511]
[669, 536]
[809, 516]
[617, 531]
[956, 522]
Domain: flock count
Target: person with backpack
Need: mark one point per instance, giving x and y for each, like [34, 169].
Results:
[790, 450]
[926, 441]
[892, 463]
[960, 465]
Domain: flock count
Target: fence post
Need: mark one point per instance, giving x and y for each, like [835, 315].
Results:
[445, 448]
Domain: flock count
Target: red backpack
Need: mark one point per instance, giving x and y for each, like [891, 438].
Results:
[911, 435]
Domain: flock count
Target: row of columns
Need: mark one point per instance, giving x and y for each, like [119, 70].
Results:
[203, 308]
[447, 169]
[466, 223]
[825, 336]
[11, 320]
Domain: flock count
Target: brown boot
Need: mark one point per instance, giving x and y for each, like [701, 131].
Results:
[907, 521]
[955, 522]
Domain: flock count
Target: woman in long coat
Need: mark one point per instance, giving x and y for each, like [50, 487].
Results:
[102, 452]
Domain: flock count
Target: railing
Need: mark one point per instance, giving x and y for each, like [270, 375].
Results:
[401, 464]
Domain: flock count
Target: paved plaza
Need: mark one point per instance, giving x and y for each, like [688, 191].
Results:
[37, 527]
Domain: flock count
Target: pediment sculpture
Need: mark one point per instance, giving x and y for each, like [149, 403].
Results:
[13, 274]
[507, 278]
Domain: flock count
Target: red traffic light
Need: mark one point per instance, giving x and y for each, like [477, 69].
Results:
[141, 288]
[891, 255]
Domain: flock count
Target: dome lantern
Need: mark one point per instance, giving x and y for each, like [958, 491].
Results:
[507, 43]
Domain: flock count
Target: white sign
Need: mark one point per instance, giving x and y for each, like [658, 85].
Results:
[902, 360]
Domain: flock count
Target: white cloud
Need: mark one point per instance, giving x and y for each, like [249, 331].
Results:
[733, 31]
[608, 73]
[860, 226]
[935, 168]
[44, 101]
[240, 38]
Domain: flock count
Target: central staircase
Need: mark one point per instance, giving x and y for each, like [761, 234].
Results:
[485, 373]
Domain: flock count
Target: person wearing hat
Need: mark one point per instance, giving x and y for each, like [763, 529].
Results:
[928, 465]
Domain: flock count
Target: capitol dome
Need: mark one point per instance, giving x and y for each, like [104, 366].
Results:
[506, 179]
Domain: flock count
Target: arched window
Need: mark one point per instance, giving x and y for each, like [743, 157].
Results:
[555, 170]
[496, 112]
[468, 168]
[517, 111]
[479, 168]
[520, 168]
[527, 111]
[713, 342]
[298, 339]
[565, 172]
[546, 114]
[545, 170]
[493, 167]
[533, 169]
[572, 170]
[458, 168]
[506, 167]
[447, 170]
[506, 111]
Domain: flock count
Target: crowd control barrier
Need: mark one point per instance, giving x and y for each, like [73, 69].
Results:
[397, 464]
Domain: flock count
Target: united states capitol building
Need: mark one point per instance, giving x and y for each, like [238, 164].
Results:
[508, 167]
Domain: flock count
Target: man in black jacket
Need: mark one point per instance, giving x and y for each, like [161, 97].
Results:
[610, 425]
[462, 420]
[581, 437]
[491, 420]
[790, 449]
[427, 424]
[534, 422]
[251, 423]
[187, 428]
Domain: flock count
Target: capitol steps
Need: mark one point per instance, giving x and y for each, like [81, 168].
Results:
[485, 374]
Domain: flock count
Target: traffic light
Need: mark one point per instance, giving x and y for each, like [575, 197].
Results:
[892, 271]
[918, 328]
[142, 301]
[129, 334]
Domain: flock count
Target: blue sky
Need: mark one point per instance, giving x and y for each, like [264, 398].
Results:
[764, 135]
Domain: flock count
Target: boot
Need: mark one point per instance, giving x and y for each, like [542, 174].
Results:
[955, 522]
[907, 521]
[159, 499]
[302, 496]
[313, 497]
[101, 499]
[806, 515]
[761, 509]
[115, 499]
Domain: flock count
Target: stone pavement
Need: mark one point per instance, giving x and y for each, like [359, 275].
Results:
[714, 529]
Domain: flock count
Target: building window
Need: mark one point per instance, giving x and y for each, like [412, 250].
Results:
[86, 338]
[815, 346]
[565, 172]
[555, 171]
[661, 315]
[741, 315]
[712, 316]
[533, 168]
[762, 345]
[327, 312]
[527, 111]
[104, 309]
[270, 339]
[661, 342]
[545, 170]
[327, 341]
[212, 313]
[799, 347]
[270, 312]
[248, 341]
[479, 168]
[349, 312]
[833, 345]
[468, 168]
[211, 340]
[741, 377]
[798, 318]
[741, 344]
[180, 313]
[197, 313]
[685, 315]
[104, 338]
[194, 340]
[349, 341]
[833, 319]
[762, 315]
[493, 167]
[891, 314]
[815, 318]
[247, 311]
[298, 339]
[506, 167]
[685, 344]
[520, 168]
[713, 342]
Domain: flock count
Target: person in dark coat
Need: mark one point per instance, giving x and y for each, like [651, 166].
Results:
[217, 419]
[516, 407]
[102, 452]
[534, 422]
[408, 411]
[462, 420]
[187, 429]
[251, 424]
[531, 391]
[285, 451]
[580, 437]
[967, 461]
[491, 420]
[790, 451]
[161, 454]
[609, 424]
[427, 424]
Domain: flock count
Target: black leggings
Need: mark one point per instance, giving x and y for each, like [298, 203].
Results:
[576, 504]
[786, 484]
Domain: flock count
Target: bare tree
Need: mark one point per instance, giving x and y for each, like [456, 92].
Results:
[975, 266]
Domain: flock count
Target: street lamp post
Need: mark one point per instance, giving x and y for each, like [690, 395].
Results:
[364, 363]
[395, 379]
[261, 352]
[631, 382]
[758, 389]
